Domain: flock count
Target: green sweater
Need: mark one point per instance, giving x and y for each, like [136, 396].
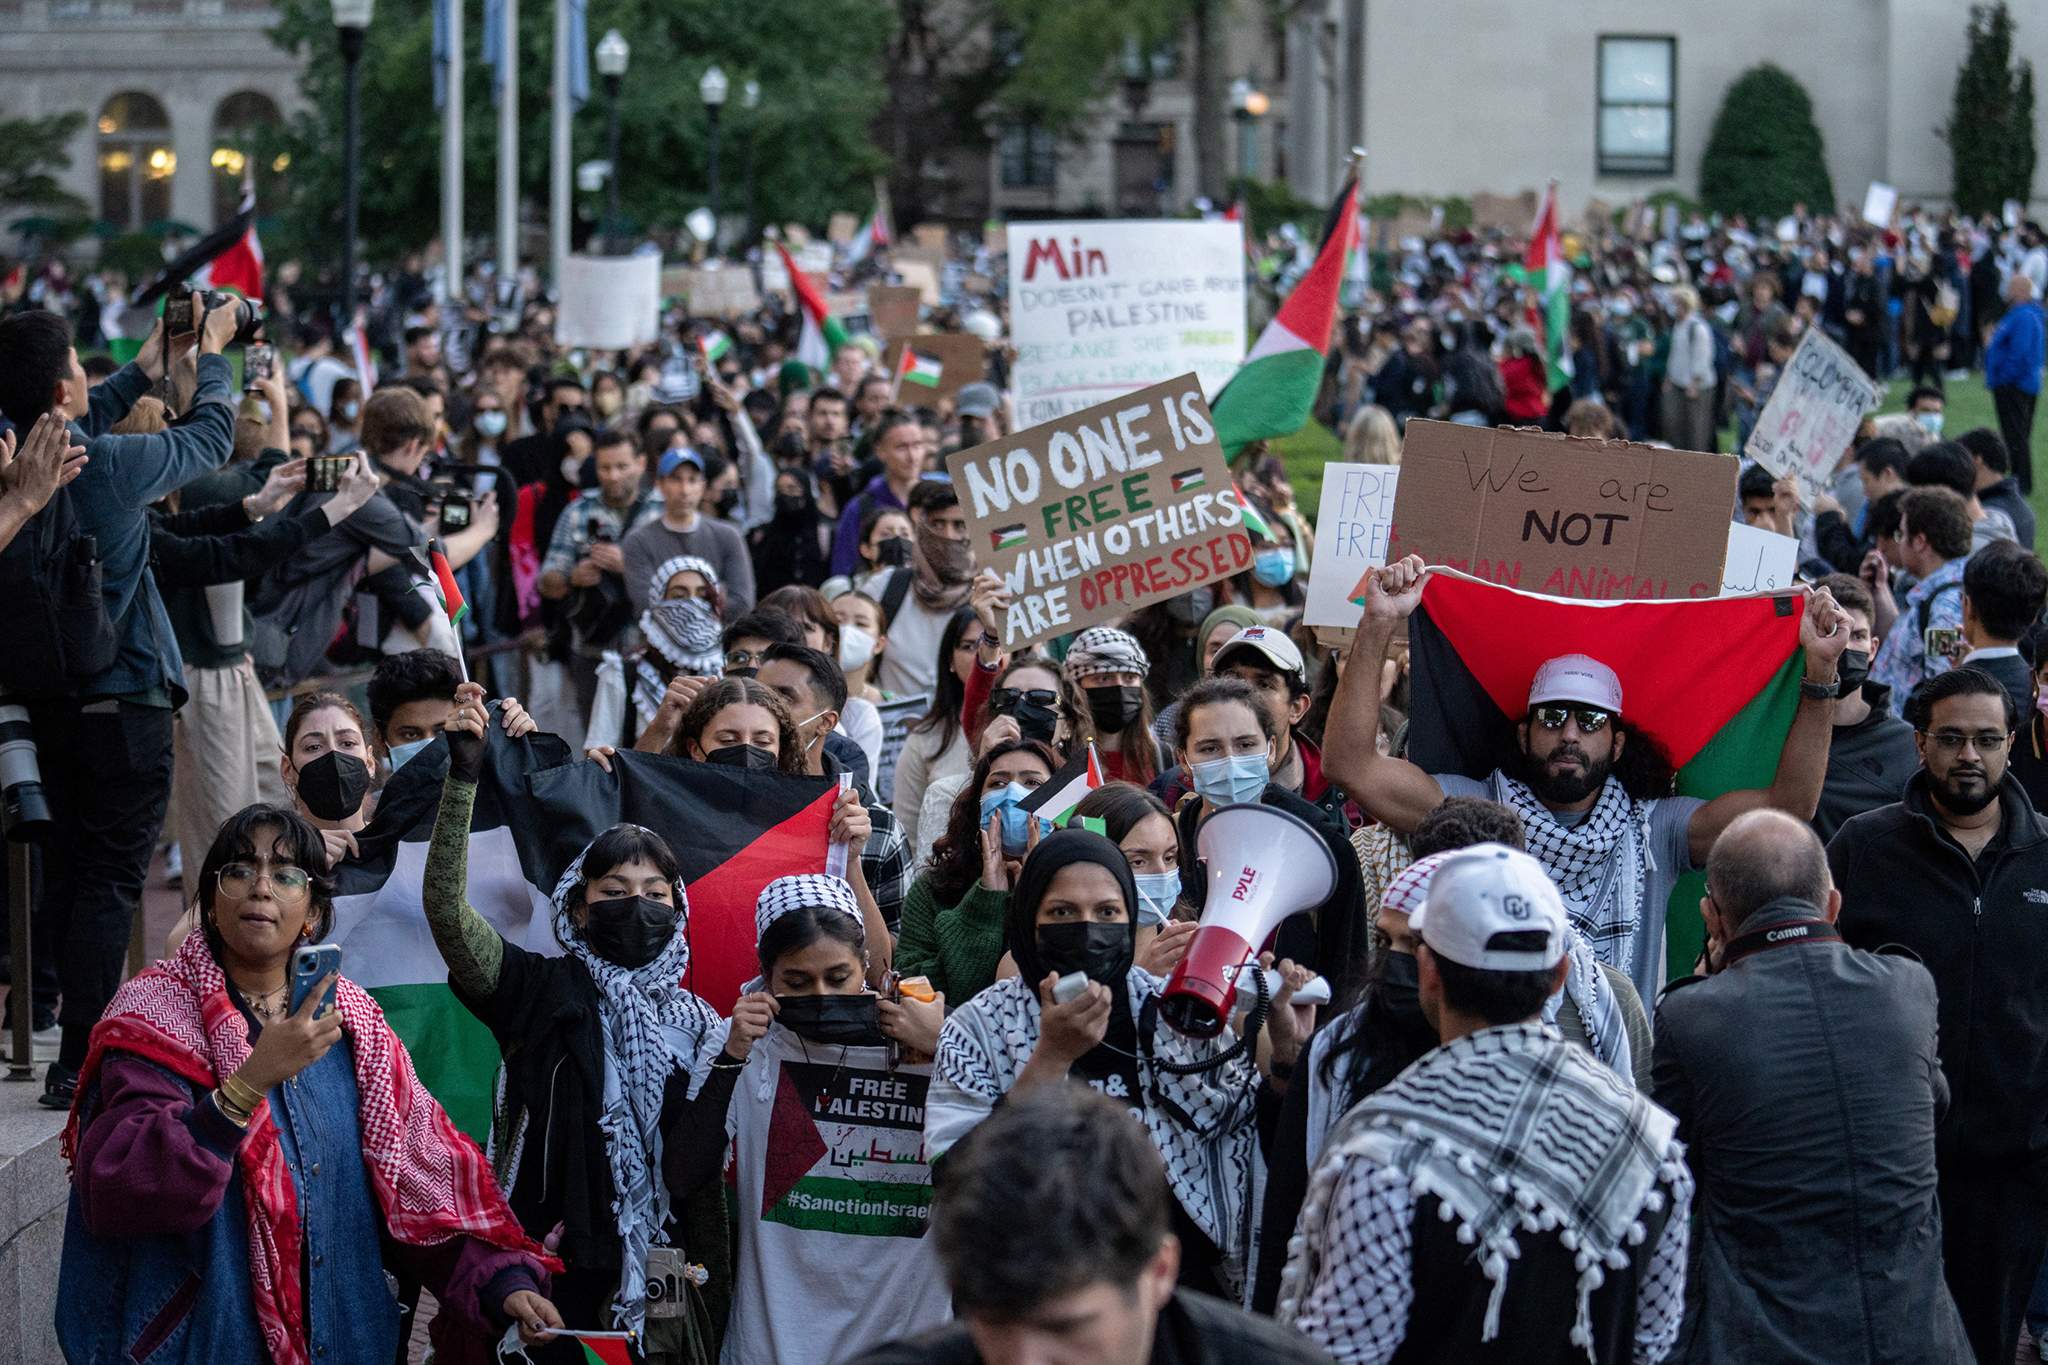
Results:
[957, 946]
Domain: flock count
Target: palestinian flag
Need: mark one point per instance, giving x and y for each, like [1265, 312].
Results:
[444, 582]
[1712, 682]
[715, 345]
[536, 809]
[1008, 537]
[822, 336]
[603, 1348]
[1054, 801]
[917, 369]
[1274, 390]
[1253, 522]
[240, 267]
[200, 254]
[874, 233]
[1188, 480]
[1545, 271]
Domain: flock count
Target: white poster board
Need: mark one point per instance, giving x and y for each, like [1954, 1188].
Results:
[1880, 202]
[609, 302]
[1101, 309]
[1352, 525]
[1758, 560]
[1805, 428]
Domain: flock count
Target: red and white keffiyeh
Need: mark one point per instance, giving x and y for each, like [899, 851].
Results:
[430, 1180]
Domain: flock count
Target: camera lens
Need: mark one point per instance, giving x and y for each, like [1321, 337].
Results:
[24, 812]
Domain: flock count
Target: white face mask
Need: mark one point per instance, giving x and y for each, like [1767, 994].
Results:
[856, 647]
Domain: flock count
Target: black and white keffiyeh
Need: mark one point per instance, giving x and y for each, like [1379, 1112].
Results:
[652, 1027]
[810, 889]
[1600, 865]
[1511, 1130]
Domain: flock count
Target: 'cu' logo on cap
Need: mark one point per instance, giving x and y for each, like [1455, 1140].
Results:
[1514, 907]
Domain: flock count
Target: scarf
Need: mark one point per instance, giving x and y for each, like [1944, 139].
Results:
[1511, 1129]
[430, 1181]
[685, 633]
[942, 571]
[1598, 864]
[651, 1028]
[648, 687]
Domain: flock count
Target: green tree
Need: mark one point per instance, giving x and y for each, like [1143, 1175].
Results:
[31, 149]
[1765, 153]
[1990, 133]
[816, 61]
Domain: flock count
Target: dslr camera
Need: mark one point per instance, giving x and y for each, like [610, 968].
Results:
[183, 320]
[24, 810]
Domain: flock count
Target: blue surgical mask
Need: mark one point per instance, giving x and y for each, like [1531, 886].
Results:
[402, 754]
[1930, 422]
[1158, 893]
[1274, 566]
[1016, 833]
[1233, 780]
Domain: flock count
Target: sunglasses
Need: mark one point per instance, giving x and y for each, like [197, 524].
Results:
[1591, 719]
[1003, 700]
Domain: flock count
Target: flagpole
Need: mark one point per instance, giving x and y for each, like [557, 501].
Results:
[508, 147]
[451, 161]
[558, 156]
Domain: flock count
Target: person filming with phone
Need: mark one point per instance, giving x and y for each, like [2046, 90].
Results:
[250, 1144]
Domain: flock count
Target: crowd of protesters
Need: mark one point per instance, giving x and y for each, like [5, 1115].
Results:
[1508, 1135]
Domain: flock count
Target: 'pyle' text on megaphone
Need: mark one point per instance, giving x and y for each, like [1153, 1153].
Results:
[1262, 866]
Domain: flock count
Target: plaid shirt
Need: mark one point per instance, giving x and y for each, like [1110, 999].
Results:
[885, 859]
[575, 532]
[1902, 662]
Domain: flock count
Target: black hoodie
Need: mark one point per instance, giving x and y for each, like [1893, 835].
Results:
[1868, 764]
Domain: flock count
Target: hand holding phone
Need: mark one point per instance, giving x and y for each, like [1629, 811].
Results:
[312, 964]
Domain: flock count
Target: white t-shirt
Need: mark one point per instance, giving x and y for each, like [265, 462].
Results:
[910, 664]
[834, 1194]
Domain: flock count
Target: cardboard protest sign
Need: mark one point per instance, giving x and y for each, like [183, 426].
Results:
[1098, 309]
[1758, 560]
[920, 275]
[1352, 527]
[721, 291]
[841, 227]
[1513, 212]
[892, 308]
[1098, 513]
[609, 302]
[1812, 415]
[961, 359]
[1566, 517]
[930, 237]
[1880, 201]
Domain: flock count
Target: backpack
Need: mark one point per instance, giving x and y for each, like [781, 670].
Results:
[893, 595]
[59, 634]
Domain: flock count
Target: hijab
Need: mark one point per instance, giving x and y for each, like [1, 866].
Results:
[1061, 849]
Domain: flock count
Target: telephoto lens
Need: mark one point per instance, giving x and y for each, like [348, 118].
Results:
[24, 813]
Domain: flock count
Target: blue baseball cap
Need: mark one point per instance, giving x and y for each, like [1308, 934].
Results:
[672, 460]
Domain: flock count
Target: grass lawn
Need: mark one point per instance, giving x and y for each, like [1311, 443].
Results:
[1969, 406]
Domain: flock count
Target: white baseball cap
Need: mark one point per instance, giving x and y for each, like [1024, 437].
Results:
[1273, 644]
[1575, 677]
[1490, 889]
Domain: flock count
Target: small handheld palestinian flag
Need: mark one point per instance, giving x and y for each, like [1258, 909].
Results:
[917, 369]
[1054, 801]
[715, 345]
[451, 598]
[1253, 522]
[602, 1348]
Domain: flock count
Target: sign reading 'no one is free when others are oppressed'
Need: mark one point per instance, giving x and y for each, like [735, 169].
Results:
[1096, 514]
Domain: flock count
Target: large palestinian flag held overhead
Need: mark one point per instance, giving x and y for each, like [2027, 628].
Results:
[536, 809]
[1712, 682]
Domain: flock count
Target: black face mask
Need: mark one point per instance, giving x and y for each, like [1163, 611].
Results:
[1034, 721]
[1851, 672]
[1191, 608]
[893, 553]
[1113, 709]
[791, 504]
[1400, 986]
[1103, 951]
[630, 931]
[333, 785]
[844, 1020]
[727, 501]
[749, 756]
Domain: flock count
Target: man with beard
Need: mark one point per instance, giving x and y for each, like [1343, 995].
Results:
[942, 572]
[1957, 872]
[1593, 792]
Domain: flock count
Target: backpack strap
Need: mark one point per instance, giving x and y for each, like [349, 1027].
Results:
[893, 595]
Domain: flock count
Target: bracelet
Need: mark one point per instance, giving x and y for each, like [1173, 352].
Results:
[245, 1096]
[230, 1111]
[1818, 691]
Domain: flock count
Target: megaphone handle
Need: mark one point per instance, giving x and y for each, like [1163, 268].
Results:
[1253, 1022]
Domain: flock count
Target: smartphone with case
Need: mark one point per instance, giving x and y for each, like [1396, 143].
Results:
[310, 965]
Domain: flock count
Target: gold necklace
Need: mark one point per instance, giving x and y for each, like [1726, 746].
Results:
[269, 1006]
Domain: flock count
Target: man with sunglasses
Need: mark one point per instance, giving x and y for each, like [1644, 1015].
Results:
[1592, 792]
[1956, 872]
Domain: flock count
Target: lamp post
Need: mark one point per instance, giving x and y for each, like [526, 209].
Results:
[351, 21]
[612, 55]
[712, 90]
[1248, 104]
[750, 99]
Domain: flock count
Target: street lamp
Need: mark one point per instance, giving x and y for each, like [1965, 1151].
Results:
[1248, 104]
[351, 21]
[712, 90]
[750, 99]
[612, 55]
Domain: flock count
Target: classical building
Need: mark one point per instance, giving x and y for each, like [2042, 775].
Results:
[174, 92]
[1616, 98]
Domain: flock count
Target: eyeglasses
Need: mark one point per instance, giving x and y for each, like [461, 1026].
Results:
[745, 658]
[287, 882]
[1006, 699]
[1591, 719]
[1952, 741]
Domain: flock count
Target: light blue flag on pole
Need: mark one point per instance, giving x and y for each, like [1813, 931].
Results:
[494, 20]
[441, 53]
[579, 54]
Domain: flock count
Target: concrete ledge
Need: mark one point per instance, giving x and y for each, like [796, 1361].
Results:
[34, 1189]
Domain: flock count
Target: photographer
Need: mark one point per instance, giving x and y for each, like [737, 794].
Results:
[585, 566]
[112, 727]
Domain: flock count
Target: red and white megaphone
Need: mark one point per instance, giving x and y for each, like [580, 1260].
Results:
[1263, 865]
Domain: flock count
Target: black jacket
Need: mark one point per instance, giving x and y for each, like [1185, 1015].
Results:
[2013, 675]
[2005, 496]
[1193, 1329]
[1868, 764]
[1981, 928]
[1807, 1089]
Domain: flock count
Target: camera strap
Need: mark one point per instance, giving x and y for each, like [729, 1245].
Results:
[1787, 935]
